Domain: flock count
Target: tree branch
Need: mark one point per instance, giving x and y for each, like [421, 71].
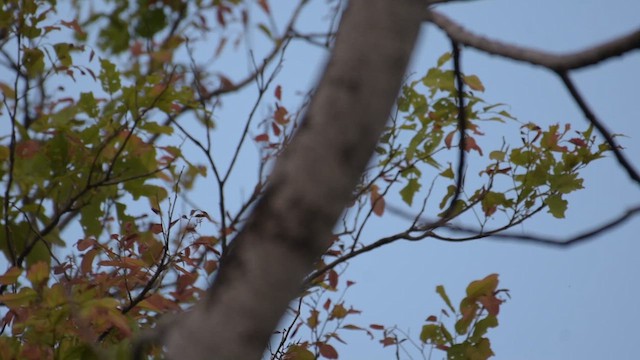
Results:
[540, 239]
[311, 183]
[555, 62]
[591, 117]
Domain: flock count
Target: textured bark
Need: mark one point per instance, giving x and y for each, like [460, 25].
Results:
[311, 183]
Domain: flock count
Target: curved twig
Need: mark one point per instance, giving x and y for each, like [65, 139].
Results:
[540, 239]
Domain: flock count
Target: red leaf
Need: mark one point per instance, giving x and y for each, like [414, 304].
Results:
[432, 318]
[72, 25]
[578, 142]
[278, 92]
[333, 279]
[84, 244]
[276, 129]
[264, 5]
[328, 351]
[349, 283]
[377, 326]
[220, 17]
[388, 341]
[327, 304]
[27, 149]
[470, 144]
[491, 303]
[261, 137]
[155, 228]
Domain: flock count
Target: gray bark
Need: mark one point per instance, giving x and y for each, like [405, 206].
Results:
[311, 183]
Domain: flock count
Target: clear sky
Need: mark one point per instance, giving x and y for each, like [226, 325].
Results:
[576, 303]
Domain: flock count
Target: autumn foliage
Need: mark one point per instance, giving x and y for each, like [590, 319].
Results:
[105, 116]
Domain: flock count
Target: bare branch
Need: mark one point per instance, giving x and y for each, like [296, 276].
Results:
[591, 117]
[540, 239]
[555, 62]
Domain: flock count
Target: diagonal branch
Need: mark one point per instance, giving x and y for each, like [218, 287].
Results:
[591, 117]
[311, 183]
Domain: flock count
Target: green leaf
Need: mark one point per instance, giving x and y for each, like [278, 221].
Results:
[151, 22]
[88, 104]
[443, 59]
[298, 352]
[265, 30]
[482, 287]
[62, 51]
[497, 155]
[432, 334]
[115, 37]
[482, 326]
[413, 144]
[440, 290]
[565, 183]
[408, 192]
[522, 158]
[451, 190]
[557, 205]
[33, 61]
[448, 173]
[473, 82]
[109, 76]
[19, 299]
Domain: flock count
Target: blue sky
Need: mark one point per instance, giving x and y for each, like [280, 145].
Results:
[577, 303]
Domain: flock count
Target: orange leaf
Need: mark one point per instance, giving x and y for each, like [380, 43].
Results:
[338, 312]
[449, 138]
[280, 115]
[377, 201]
[87, 261]
[312, 320]
[11, 276]
[261, 137]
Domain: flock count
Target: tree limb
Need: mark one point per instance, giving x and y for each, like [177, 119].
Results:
[555, 62]
[311, 183]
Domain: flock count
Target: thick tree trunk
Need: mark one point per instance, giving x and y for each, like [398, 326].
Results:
[311, 183]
